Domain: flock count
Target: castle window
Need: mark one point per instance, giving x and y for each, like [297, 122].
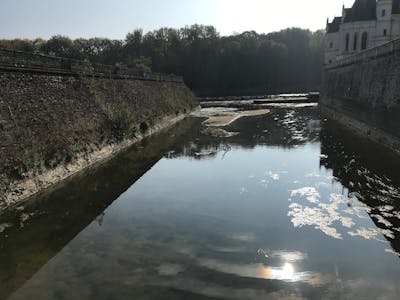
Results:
[331, 45]
[355, 43]
[384, 32]
[383, 12]
[364, 41]
[347, 41]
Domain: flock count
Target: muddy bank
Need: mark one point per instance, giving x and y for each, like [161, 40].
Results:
[225, 120]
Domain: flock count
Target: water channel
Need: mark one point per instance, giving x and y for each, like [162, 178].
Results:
[286, 206]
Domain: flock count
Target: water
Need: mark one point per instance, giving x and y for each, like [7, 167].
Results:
[287, 207]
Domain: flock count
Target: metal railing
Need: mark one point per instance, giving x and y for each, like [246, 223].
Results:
[379, 51]
[12, 59]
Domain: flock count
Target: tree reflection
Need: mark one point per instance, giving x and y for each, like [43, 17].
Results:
[370, 175]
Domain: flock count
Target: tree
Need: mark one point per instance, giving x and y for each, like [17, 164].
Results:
[289, 60]
[61, 46]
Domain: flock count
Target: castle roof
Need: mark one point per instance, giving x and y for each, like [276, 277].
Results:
[362, 10]
[335, 25]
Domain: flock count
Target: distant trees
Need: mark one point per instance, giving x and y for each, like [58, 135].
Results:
[286, 61]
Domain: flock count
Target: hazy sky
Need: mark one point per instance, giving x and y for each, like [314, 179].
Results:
[114, 18]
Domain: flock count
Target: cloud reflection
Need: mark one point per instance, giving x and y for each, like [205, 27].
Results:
[311, 194]
[339, 211]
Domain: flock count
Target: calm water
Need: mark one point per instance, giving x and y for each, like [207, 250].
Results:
[288, 207]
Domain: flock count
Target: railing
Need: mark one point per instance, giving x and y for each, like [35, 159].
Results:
[12, 59]
[379, 51]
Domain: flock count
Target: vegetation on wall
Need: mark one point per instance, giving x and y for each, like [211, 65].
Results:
[286, 61]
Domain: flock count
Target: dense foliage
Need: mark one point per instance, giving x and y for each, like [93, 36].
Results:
[286, 61]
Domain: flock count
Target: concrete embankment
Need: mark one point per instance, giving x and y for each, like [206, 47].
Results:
[362, 93]
[58, 117]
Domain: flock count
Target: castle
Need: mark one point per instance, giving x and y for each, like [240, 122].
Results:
[367, 24]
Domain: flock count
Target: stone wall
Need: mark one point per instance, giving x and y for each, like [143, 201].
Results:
[363, 93]
[18, 60]
[53, 124]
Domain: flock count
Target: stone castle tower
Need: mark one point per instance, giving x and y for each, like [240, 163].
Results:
[367, 24]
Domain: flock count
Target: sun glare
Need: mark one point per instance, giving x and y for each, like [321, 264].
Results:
[287, 271]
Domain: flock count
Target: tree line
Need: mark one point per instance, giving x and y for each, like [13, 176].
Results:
[248, 63]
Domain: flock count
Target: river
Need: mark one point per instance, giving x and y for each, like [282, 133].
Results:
[286, 206]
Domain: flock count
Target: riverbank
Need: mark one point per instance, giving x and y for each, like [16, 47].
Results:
[35, 182]
[56, 122]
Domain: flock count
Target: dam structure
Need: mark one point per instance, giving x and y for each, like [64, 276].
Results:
[59, 116]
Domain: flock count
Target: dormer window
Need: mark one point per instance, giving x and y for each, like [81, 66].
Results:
[383, 12]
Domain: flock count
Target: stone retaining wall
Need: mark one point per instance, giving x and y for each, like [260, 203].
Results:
[53, 125]
[363, 93]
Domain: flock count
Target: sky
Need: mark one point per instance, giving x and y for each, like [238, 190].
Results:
[115, 18]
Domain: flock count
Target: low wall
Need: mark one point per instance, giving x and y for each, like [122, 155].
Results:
[18, 60]
[55, 123]
[363, 93]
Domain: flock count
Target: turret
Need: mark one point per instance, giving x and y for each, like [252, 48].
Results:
[384, 21]
[343, 13]
[384, 9]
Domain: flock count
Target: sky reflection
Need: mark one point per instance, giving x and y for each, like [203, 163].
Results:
[189, 226]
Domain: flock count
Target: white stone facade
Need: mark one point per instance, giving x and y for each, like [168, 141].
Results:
[367, 24]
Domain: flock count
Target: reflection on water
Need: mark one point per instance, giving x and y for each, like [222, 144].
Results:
[281, 206]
